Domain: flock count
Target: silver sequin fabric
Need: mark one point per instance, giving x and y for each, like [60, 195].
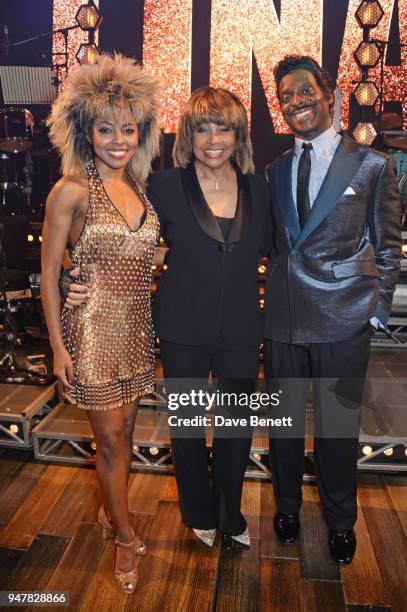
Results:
[110, 337]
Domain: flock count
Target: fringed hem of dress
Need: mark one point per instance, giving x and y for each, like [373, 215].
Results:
[111, 395]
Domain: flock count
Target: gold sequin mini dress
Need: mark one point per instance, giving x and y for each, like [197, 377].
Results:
[110, 337]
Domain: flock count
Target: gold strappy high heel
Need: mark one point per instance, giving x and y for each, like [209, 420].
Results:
[127, 581]
[108, 532]
[106, 525]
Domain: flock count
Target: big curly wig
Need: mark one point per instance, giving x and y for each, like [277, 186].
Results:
[104, 90]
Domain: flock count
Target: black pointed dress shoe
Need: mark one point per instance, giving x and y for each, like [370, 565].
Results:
[286, 527]
[342, 545]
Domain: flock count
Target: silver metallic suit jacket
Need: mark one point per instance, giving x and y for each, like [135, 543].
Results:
[326, 281]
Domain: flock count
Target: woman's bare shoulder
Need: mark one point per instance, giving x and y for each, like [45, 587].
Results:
[70, 191]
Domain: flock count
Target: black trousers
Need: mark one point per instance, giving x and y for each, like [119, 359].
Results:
[204, 506]
[337, 371]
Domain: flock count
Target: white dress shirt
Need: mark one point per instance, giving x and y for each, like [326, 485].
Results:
[322, 152]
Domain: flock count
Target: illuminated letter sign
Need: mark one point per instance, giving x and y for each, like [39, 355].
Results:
[242, 27]
[167, 53]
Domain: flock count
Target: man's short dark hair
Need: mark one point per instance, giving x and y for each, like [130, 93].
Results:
[290, 63]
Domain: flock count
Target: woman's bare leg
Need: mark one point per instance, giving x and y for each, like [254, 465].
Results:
[112, 469]
[129, 419]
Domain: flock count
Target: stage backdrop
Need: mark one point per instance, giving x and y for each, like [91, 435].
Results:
[233, 44]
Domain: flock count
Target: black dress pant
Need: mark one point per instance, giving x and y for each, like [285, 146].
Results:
[204, 506]
[337, 371]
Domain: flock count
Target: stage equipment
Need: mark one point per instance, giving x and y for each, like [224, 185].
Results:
[395, 335]
[64, 435]
[369, 14]
[27, 85]
[367, 55]
[366, 93]
[16, 171]
[16, 129]
[16, 133]
[16, 301]
[88, 17]
[87, 53]
[67, 39]
[365, 133]
[21, 408]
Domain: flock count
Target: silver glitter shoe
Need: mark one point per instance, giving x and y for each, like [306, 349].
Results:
[207, 536]
[243, 538]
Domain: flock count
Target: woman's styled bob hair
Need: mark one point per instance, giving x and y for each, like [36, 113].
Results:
[214, 105]
[115, 84]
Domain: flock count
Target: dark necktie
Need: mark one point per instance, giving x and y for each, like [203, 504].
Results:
[304, 171]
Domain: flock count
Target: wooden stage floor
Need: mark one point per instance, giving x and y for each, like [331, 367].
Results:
[49, 540]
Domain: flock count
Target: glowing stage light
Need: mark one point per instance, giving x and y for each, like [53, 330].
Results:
[30, 238]
[93, 446]
[136, 448]
[367, 54]
[394, 76]
[88, 17]
[64, 15]
[13, 428]
[404, 248]
[366, 93]
[367, 450]
[364, 133]
[261, 269]
[154, 450]
[388, 452]
[257, 456]
[40, 238]
[369, 13]
[87, 53]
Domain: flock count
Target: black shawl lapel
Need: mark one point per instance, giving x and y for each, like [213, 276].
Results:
[283, 187]
[203, 213]
[243, 208]
[199, 207]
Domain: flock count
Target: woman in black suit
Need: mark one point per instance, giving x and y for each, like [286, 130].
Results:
[213, 214]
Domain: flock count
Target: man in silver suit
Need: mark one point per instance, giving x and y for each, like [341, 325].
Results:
[332, 272]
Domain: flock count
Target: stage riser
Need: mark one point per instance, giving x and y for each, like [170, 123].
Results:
[21, 408]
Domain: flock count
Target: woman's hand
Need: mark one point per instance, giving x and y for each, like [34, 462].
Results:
[63, 368]
[75, 294]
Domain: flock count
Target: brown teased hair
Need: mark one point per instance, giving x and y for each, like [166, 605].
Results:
[104, 90]
[214, 105]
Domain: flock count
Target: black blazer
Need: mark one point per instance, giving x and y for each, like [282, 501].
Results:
[210, 287]
[327, 280]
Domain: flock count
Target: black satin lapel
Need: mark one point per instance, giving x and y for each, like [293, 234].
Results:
[242, 208]
[198, 205]
[345, 163]
[286, 204]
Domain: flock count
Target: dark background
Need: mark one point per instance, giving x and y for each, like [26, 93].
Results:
[122, 30]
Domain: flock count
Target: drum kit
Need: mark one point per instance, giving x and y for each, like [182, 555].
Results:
[16, 165]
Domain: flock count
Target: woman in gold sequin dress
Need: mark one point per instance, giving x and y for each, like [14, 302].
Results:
[105, 127]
